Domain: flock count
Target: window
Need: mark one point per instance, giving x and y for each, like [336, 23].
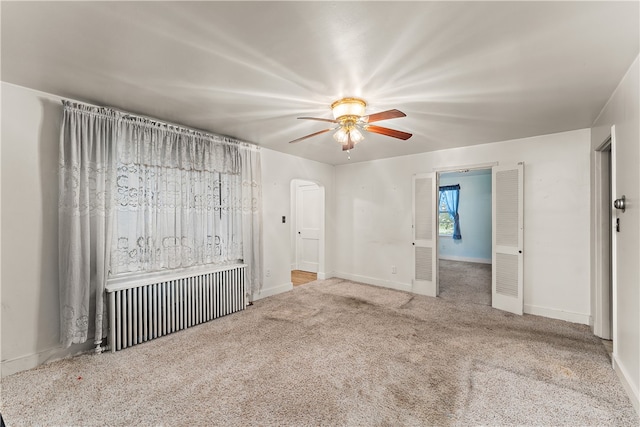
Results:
[178, 201]
[448, 220]
[445, 222]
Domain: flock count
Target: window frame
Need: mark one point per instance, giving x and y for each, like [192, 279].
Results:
[443, 211]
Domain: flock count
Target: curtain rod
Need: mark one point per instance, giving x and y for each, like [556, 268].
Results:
[181, 128]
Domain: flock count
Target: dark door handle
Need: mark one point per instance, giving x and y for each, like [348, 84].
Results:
[298, 232]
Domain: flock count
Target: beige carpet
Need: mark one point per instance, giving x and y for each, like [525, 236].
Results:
[468, 282]
[337, 353]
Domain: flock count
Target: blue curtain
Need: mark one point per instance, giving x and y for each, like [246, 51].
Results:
[450, 194]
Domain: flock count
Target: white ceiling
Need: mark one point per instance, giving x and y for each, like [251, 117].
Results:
[464, 73]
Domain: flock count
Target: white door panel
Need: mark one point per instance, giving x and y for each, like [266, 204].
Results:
[308, 221]
[425, 234]
[508, 231]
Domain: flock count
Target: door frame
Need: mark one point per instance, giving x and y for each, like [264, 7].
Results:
[605, 306]
[293, 222]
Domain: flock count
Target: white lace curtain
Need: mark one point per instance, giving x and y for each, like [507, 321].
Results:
[178, 200]
[172, 198]
[87, 156]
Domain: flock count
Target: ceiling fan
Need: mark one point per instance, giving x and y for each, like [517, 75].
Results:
[350, 119]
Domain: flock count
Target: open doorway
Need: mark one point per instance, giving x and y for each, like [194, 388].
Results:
[307, 231]
[507, 235]
[464, 249]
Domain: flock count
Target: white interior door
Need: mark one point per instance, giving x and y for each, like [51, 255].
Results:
[508, 229]
[308, 224]
[425, 234]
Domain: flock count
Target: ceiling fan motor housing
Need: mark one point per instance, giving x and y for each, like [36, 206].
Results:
[354, 107]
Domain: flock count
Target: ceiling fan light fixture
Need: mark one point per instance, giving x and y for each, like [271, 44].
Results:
[341, 136]
[355, 135]
[348, 107]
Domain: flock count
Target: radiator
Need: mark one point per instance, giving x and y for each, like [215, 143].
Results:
[144, 308]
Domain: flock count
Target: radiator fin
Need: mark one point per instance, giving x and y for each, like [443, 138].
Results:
[142, 313]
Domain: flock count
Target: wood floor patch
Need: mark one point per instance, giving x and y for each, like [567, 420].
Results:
[299, 277]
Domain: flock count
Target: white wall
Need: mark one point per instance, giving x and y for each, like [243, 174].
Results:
[373, 203]
[623, 111]
[30, 315]
[278, 170]
[474, 211]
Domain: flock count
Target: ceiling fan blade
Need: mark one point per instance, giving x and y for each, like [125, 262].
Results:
[319, 119]
[384, 115]
[388, 132]
[310, 135]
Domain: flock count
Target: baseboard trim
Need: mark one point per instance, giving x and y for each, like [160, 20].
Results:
[628, 386]
[465, 259]
[268, 292]
[567, 316]
[373, 281]
[325, 276]
[33, 360]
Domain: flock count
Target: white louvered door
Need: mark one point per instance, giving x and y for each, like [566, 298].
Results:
[425, 233]
[508, 227]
